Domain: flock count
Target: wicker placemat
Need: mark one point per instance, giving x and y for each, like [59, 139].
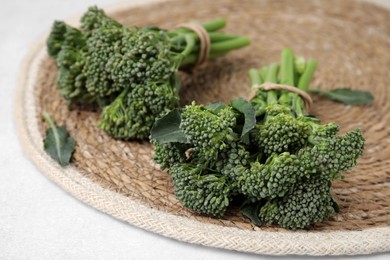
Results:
[350, 40]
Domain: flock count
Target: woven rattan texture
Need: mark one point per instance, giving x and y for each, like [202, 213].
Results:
[350, 40]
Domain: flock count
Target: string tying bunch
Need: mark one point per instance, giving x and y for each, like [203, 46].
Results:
[274, 86]
[204, 40]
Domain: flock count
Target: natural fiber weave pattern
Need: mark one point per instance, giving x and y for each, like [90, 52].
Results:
[120, 178]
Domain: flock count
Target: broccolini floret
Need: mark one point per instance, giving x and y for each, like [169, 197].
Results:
[333, 156]
[110, 59]
[309, 202]
[169, 154]
[200, 189]
[68, 46]
[210, 133]
[328, 157]
[102, 44]
[96, 18]
[268, 151]
[56, 38]
[272, 179]
[134, 111]
[280, 131]
[229, 160]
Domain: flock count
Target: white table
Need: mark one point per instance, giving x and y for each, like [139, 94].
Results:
[37, 219]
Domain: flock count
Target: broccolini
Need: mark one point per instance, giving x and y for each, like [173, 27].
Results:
[267, 150]
[131, 72]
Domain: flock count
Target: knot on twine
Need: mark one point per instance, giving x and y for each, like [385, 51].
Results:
[273, 86]
[204, 40]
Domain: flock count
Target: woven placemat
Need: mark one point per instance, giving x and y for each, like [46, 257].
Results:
[350, 40]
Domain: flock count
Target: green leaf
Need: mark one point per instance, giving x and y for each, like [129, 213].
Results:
[248, 111]
[167, 129]
[57, 144]
[251, 211]
[215, 107]
[346, 96]
[245, 139]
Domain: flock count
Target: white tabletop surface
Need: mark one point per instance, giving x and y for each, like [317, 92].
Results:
[38, 220]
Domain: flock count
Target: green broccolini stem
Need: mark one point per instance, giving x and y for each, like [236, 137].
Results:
[307, 75]
[220, 37]
[287, 68]
[272, 77]
[258, 102]
[214, 25]
[294, 71]
[214, 36]
[300, 64]
[217, 53]
[298, 104]
[190, 43]
[254, 77]
[272, 73]
[303, 84]
[210, 26]
[191, 59]
[287, 72]
[263, 73]
[299, 68]
[220, 43]
[217, 49]
[110, 111]
[229, 45]
[182, 34]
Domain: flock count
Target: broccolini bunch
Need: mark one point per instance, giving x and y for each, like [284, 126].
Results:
[267, 150]
[130, 72]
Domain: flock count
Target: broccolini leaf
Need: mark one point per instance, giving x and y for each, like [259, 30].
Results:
[248, 111]
[346, 96]
[335, 205]
[57, 144]
[215, 107]
[251, 211]
[167, 129]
